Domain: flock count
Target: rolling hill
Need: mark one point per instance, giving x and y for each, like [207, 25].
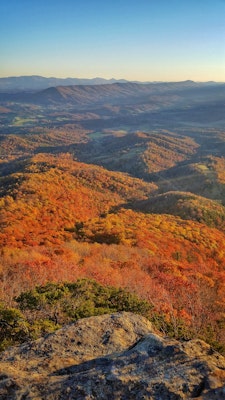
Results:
[185, 205]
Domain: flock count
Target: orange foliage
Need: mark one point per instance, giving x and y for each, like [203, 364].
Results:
[177, 265]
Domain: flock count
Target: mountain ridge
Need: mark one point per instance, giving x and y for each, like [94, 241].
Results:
[113, 93]
[37, 82]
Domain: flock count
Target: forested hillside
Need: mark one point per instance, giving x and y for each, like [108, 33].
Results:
[121, 184]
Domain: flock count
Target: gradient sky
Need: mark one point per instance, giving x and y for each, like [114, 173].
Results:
[146, 40]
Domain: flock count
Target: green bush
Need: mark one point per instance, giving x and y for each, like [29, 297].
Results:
[68, 302]
[13, 327]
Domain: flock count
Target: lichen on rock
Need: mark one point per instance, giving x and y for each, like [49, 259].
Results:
[116, 356]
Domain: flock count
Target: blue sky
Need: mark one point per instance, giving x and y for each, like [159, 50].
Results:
[146, 40]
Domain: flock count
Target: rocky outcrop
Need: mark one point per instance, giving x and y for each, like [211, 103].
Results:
[111, 357]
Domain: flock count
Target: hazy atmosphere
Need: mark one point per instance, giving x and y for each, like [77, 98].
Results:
[142, 40]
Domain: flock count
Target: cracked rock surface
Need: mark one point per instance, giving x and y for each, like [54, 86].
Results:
[114, 356]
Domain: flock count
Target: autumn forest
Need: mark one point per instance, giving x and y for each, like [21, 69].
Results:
[122, 184]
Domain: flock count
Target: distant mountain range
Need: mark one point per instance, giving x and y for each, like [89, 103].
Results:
[115, 93]
[35, 82]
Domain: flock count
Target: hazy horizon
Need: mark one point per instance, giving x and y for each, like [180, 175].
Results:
[137, 41]
[101, 77]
